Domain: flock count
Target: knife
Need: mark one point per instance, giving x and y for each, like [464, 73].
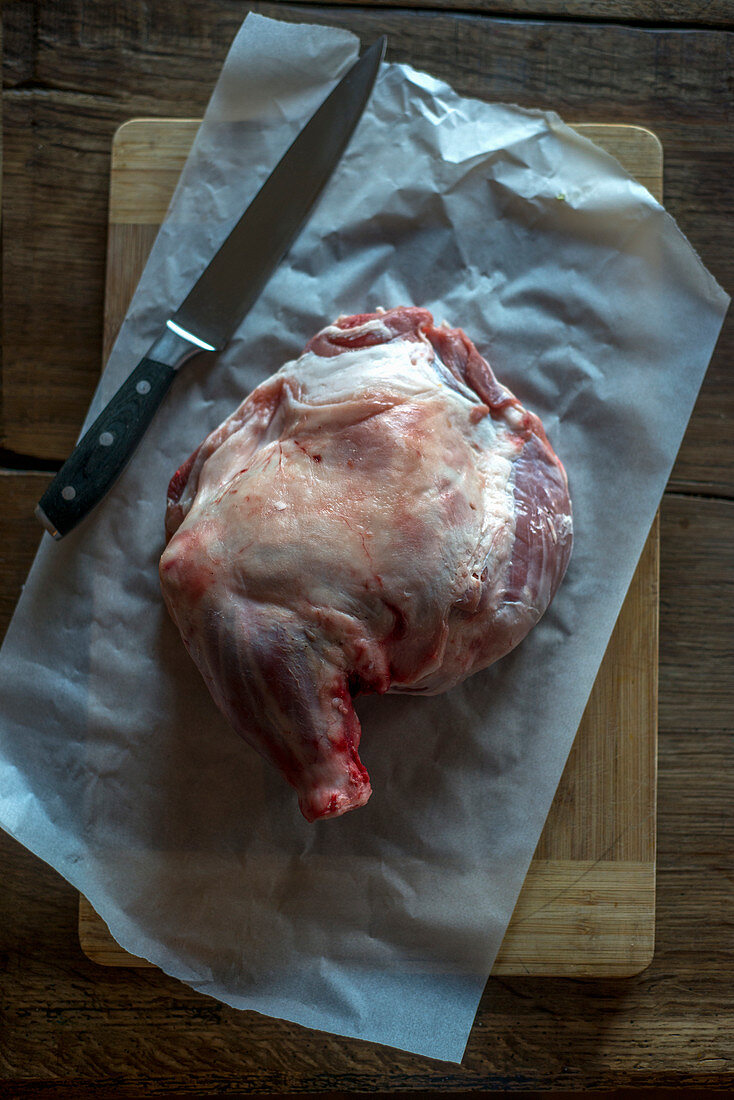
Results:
[218, 301]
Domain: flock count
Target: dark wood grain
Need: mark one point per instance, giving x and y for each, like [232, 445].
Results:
[21, 535]
[64, 1020]
[99, 64]
[697, 588]
[709, 13]
[53, 258]
[18, 34]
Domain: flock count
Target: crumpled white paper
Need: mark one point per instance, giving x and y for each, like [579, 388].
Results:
[115, 766]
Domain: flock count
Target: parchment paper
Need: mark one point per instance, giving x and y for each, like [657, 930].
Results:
[115, 766]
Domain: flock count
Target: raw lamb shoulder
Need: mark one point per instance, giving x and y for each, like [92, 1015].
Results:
[381, 515]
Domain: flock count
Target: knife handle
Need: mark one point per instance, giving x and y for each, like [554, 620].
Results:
[104, 450]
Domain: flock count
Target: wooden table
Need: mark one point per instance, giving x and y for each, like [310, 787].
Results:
[72, 73]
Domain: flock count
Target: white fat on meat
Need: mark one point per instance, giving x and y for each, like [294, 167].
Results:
[380, 515]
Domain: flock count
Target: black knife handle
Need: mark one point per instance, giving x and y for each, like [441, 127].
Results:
[104, 450]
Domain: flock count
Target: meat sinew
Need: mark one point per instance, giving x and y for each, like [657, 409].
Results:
[380, 515]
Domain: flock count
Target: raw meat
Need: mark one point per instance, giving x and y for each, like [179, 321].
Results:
[380, 515]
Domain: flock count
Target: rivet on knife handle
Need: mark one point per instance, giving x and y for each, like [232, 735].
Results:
[103, 452]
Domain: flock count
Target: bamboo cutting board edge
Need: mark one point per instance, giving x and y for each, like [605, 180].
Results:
[586, 909]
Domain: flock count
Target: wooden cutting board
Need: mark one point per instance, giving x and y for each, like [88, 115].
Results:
[587, 908]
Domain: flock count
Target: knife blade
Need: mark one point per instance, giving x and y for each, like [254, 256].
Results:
[217, 303]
